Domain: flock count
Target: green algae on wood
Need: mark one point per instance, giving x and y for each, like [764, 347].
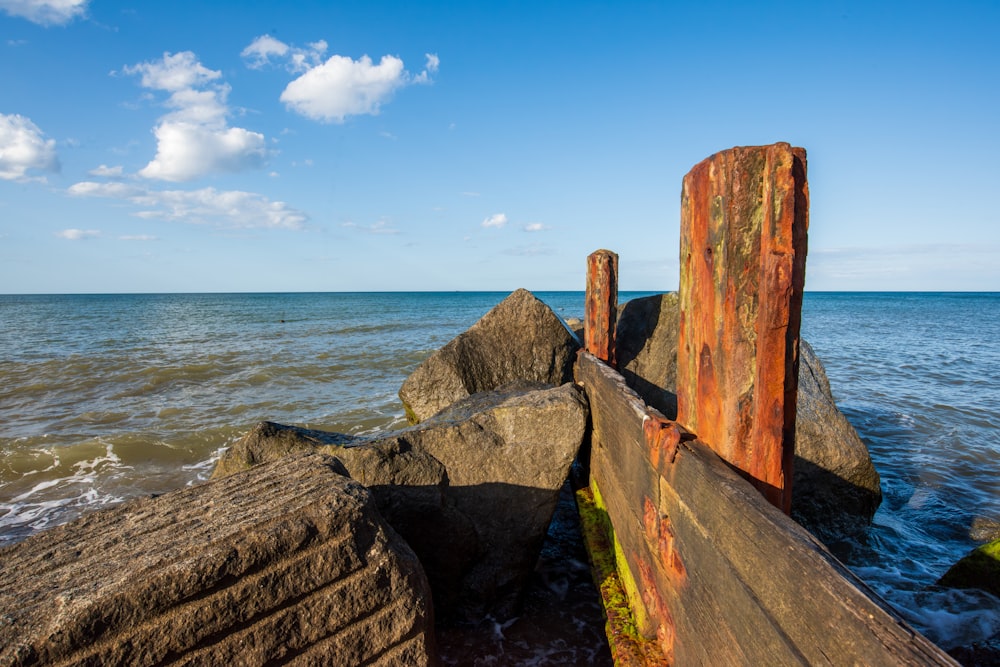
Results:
[628, 647]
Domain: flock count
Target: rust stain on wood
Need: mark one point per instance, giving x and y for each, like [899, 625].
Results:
[601, 306]
[744, 217]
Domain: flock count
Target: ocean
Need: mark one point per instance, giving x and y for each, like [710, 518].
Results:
[108, 397]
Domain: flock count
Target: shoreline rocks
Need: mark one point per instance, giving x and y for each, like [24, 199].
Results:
[519, 339]
[471, 489]
[289, 559]
[980, 568]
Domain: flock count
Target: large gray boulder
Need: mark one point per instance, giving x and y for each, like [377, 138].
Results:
[288, 561]
[647, 349]
[835, 487]
[472, 489]
[520, 339]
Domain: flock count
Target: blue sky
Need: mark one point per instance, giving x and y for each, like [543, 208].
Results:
[339, 146]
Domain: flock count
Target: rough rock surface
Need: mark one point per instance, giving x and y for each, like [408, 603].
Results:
[288, 562]
[835, 488]
[980, 568]
[520, 339]
[984, 529]
[471, 489]
[647, 349]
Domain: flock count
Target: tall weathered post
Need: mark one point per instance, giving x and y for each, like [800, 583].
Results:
[601, 307]
[744, 217]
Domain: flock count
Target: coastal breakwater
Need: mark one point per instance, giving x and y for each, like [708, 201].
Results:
[707, 566]
[685, 591]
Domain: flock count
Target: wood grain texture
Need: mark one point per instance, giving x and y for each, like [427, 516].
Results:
[719, 576]
[744, 217]
[601, 306]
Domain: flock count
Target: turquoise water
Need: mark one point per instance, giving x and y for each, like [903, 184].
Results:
[105, 397]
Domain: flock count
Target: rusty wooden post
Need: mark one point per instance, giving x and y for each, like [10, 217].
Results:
[744, 216]
[601, 308]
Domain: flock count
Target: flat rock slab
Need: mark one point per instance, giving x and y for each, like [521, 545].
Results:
[289, 562]
[520, 339]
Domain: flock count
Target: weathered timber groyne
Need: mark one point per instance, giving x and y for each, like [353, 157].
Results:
[708, 567]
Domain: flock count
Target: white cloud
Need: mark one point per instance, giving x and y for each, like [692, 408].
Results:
[23, 147]
[264, 49]
[343, 87]
[234, 209]
[535, 227]
[260, 50]
[138, 237]
[431, 67]
[194, 139]
[104, 171]
[496, 220]
[331, 91]
[78, 234]
[45, 12]
[186, 151]
[177, 72]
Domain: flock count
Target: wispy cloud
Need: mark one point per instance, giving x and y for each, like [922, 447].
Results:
[23, 148]
[265, 50]
[78, 234]
[331, 90]
[911, 266]
[380, 227]
[535, 227]
[45, 12]
[533, 250]
[231, 209]
[138, 237]
[105, 171]
[496, 220]
[194, 139]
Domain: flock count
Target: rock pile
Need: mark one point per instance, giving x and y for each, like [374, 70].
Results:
[317, 547]
[471, 489]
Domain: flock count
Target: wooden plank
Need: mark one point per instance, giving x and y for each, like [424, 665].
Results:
[827, 614]
[721, 575]
[622, 466]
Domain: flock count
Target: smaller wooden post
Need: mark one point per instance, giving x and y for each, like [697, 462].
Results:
[601, 309]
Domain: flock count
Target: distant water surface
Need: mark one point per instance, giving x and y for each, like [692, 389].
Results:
[106, 397]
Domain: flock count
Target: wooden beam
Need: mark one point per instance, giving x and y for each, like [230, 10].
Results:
[715, 573]
[744, 216]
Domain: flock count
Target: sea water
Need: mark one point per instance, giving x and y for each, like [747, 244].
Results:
[108, 397]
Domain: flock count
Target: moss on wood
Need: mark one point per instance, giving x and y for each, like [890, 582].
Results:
[628, 647]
